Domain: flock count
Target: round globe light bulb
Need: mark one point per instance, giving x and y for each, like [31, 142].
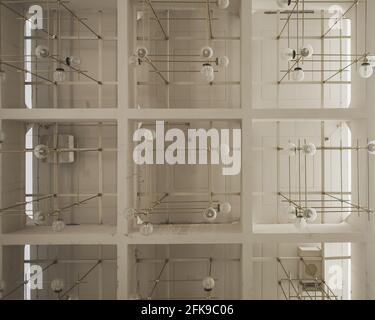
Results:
[208, 72]
[223, 4]
[207, 52]
[310, 214]
[58, 225]
[146, 229]
[309, 149]
[307, 51]
[57, 285]
[366, 70]
[41, 152]
[223, 62]
[208, 284]
[225, 208]
[141, 52]
[288, 54]
[210, 214]
[298, 74]
[292, 212]
[73, 61]
[371, 147]
[59, 75]
[42, 51]
[291, 148]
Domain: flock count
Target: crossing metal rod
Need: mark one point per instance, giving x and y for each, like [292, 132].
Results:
[148, 60]
[27, 71]
[79, 281]
[289, 279]
[356, 206]
[340, 18]
[75, 204]
[288, 20]
[79, 19]
[25, 282]
[348, 66]
[157, 18]
[157, 281]
[27, 202]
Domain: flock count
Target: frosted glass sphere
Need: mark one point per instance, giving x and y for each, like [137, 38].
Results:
[300, 223]
[288, 54]
[130, 213]
[291, 148]
[371, 147]
[208, 72]
[73, 61]
[41, 152]
[42, 51]
[210, 214]
[207, 52]
[146, 229]
[366, 70]
[141, 52]
[58, 225]
[3, 76]
[292, 212]
[208, 284]
[307, 51]
[59, 75]
[223, 62]
[223, 4]
[283, 3]
[309, 149]
[298, 74]
[310, 214]
[225, 208]
[39, 217]
[57, 285]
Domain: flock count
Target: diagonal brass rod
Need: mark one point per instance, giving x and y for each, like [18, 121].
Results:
[343, 69]
[157, 19]
[148, 60]
[209, 21]
[79, 19]
[287, 21]
[342, 16]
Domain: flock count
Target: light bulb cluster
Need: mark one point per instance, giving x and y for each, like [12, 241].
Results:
[289, 54]
[207, 70]
[301, 216]
[308, 149]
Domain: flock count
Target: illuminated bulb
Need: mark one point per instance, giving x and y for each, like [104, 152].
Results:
[366, 70]
[307, 51]
[284, 3]
[146, 229]
[129, 213]
[208, 72]
[57, 285]
[309, 149]
[207, 52]
[223, 62]
[300, 223]
[39, 217]
[225, 208]
[210, 214]
[73, 61]
[291, 148]
[288, 54]
[141, 52]
[298, 74]
[310, 214]
[371, 147]
[41, 152]
[42, 51]
[58, 226]
[3, 76]
[292, 212]
[208, 284]
[59, 75]
[223, 4]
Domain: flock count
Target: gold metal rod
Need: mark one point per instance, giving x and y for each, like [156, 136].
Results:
[27, 202]
[287, 22]
[59, 210]
[343, 69]
[148, 60]
[27, 71]
[157, 18]
[156, 282]
[209, 21]
[78, 18]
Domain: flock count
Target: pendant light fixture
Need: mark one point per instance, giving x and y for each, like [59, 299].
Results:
[283, 4]
[208, 284]
[223, 4]
[210, 214]
[208, 72]
[42, 51]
